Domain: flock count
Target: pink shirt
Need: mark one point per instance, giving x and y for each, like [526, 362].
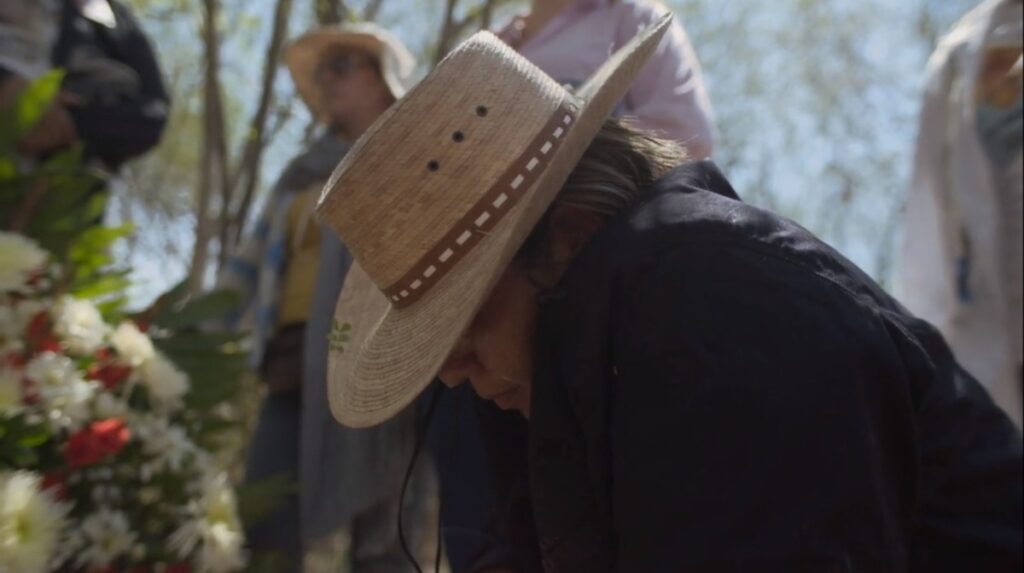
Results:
[668, 96]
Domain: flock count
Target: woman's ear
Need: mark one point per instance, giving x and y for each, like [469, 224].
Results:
[570, 230]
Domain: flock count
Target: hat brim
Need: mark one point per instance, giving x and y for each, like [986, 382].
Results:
[303, 56]
[394, 353]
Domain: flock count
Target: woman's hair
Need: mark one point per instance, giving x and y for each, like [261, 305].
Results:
[620, 163]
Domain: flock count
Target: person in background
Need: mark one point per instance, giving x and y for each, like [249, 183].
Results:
[962, 263]
[569, 39]
[112, 98]
[347, 75]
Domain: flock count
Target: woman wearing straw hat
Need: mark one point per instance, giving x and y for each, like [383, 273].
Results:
[708, 386]
[347, 75]
[569, 40]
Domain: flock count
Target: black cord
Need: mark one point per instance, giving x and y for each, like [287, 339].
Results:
[421, 436]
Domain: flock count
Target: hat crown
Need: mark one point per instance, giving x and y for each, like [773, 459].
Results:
[430, 161]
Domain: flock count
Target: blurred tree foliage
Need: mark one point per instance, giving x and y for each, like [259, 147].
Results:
[816, 101]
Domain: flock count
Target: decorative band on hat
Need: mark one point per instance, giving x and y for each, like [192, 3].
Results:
[486, 213]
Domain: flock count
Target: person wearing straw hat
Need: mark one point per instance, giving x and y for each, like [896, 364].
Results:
[708, 387]
[568, 40]
[291, 270]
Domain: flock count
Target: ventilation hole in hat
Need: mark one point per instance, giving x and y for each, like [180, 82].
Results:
[481, 111]
[458, 136]
[433, 165]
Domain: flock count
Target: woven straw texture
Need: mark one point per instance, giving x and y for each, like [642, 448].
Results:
[410, 181]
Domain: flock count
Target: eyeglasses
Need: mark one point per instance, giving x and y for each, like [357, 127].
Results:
[339, 65]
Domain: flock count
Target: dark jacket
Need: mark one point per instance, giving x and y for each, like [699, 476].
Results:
[115, 72]
[718, 390]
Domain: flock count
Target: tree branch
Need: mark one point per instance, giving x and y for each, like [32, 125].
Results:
[332, 12]
[241, 214]
[447, 31]
[247, 174]
[486, 12]
[371, 10]
[212, 169]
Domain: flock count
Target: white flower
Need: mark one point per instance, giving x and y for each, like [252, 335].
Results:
[168, 444]
[79, 325]
[64, 393]
[107, 405]
[107, 535]
[14, 319]
[51, 369]
[148, 495]
[131, 344]
[19, 256]
[214, 530]
[221, 550]
[166, 384]
[10, 392]
[70, 406]
[30, 523]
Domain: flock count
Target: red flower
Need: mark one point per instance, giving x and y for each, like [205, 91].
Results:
[28, 388]
[15, 360]
[39, 334]
[48, 344]
[39, 326]
[96, 442]
[110, 375]
[55, 482]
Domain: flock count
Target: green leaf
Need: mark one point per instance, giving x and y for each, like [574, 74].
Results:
[104, 285]
[34, 438]
[32, 103]
[73, 203]
[176, 296]
[208, 426]
[111, 309]
[209, 342]
[210, 306]
[8, 170]
[90, 248]
[258, 499]
[205, 396]
[268, 562]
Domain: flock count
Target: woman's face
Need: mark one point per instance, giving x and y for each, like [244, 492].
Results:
[496, 353]
[350, 86]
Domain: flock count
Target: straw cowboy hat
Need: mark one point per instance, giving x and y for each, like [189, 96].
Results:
[436, 198]
[304, 54]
